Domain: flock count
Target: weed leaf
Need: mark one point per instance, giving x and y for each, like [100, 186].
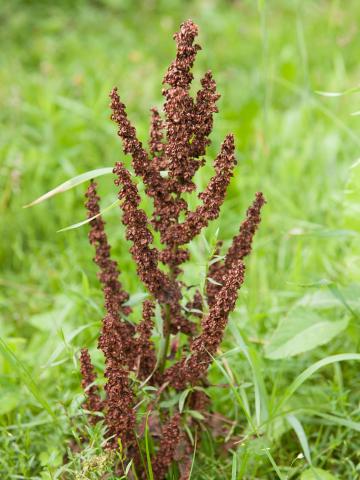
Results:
[302, 330]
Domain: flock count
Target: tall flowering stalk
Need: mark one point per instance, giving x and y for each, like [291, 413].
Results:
[178, 141]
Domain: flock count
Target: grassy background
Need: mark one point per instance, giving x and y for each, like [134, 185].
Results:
[58, 61]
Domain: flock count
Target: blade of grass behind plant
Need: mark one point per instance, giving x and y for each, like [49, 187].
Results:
[300, 433]
[300, 379]
[147, 449]
[236, 393]
[338, 94]
[273, 463]
[261, 396]
[234, 467]
[334, 419]
[193, 457]
[73, 182]
[249, 419]
[88, 220]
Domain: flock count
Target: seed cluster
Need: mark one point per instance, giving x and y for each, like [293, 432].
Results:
[170, 437]
[93, 401]
[192, 331]
[115, 295]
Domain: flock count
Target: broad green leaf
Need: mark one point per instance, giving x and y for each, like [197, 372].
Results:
[51, 457]
[332, 297]
[320, 299]
[73, 182]
[349, 297]
[170, 402]
[51, 320]
[15, 344]
[317, 474]
[302, 330]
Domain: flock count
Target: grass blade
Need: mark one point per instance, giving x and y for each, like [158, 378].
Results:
[73, 182]
[88, 220]
[261, 396]
[234, 467]
[300, 379]
[193, 457]
[147, 448]
[338, 94]
[273, 463]
[334, 419]
[236, 394]
[300, 433]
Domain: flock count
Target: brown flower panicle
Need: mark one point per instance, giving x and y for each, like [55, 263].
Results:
[239, 249]
[179, 111]
[215, 274]
[127, 133]
[145, 348]
[115, 295]
[189, 371]
[170, 437]
[213, 197]
[241, 244]
[156, 133]
[178, 139]
[205, 107]
[137, 231]
[119, 402]
[195, 306]
[93, 401]
[199, 400]
[160, 285]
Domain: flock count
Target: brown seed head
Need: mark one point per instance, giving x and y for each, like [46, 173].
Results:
[93, 401]
[170, 437]
[146, 351]
[212, 198]
[190, 370]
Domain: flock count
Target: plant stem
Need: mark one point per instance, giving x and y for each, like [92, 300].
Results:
[166, 330]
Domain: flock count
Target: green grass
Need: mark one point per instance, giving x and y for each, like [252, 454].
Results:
[58, 61]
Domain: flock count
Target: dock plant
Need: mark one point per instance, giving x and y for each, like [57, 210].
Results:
[141, 372]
